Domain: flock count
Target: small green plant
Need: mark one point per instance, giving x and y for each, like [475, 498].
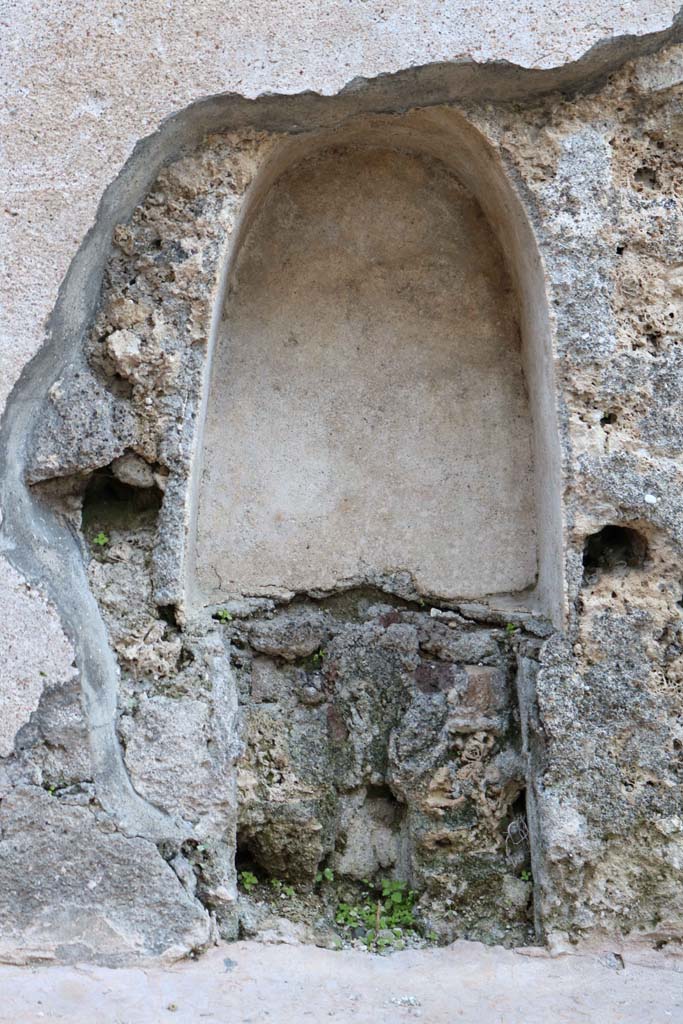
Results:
[223, 615]
[317, 657]
[101, 539]
[248, 880]
[281, 889]
[383, 919]
[398, 904]
[525, 876]
[511, 629]
[326, 875]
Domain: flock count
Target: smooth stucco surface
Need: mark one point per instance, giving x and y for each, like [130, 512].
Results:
[368, 413]
[28, 666]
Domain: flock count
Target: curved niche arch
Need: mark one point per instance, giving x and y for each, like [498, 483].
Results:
[380, 407]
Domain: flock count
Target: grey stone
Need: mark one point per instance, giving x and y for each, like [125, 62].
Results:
[132, 470]
[56, 739]
[71, 892]
[289, 637]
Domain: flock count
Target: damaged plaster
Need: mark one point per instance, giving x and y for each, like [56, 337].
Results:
[570, 692]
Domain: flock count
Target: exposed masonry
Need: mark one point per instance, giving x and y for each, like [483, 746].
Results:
[286, 731]
[404, 726]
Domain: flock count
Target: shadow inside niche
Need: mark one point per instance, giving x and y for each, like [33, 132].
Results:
[111, 504]
[613, 547]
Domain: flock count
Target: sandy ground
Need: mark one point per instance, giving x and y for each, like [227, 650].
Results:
[248, 983]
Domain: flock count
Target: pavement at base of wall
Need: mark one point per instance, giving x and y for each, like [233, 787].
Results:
[253, 983]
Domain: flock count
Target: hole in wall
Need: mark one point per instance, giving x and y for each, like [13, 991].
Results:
[185, 658]
[110, 504]
[278, 848]
[646, 176]
[380, 792]
[245, 860]
[612, 547]
[169, 613]
[517, 837]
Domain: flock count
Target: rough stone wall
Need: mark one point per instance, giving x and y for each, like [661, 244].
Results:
[393, 752]
[605, 173]
[364, 712]
[334, 696]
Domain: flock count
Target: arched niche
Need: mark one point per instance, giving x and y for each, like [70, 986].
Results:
[379, 401]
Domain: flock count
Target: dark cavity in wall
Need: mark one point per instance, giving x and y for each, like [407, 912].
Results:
[613, 547]
[109, 503]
